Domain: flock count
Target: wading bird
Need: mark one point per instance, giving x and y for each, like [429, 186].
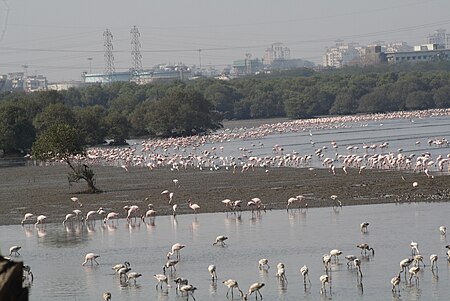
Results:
[232, 284]
[254, 288]
[220, 240]
[90, 257]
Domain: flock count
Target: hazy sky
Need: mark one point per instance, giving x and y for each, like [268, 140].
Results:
[55, 38]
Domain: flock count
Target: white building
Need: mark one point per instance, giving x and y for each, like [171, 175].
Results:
[440, 38]
[342, 55]
[277, 52]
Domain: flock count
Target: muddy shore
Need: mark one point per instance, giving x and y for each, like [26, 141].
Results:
[45, 190]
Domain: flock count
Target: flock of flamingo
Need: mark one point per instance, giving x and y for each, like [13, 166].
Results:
[179, 153]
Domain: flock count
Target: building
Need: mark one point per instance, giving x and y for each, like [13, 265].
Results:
[35, 83]
[277, 52]
[247, 66]
[342, 55]
[421, 53]
[440, 38]
[61, 86]
[159, 73]
[104, 78]
[165, 73]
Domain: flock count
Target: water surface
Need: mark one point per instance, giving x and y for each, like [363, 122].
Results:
[55, 253]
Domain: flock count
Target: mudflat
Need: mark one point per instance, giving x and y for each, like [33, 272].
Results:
[46, 190]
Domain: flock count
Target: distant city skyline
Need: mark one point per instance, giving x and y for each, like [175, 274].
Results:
[62, 39]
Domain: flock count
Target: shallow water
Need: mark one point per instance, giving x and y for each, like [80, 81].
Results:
[411, 136]
[296, 238]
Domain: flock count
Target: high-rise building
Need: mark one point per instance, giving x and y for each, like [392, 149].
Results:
[277, 52]
[440, 38]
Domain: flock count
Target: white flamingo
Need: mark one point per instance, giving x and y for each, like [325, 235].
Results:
[176, 247]
[90, 257]
[363, 227]
[194, 207]
[15, 250]
[40, 220]
[220, 240]
[232, 284]
[212, 271]
[161, 279]
[304, 271]
[254, 288]
[263, 263]
[323, 280]
[281, 273]
[27, 217]
[188, 288]
[433, 260]
[396, 282]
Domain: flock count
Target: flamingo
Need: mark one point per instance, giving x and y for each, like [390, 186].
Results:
[194, 207]
[404, 264]
[176, 247]
[188, 288]
[365, 247]
[350, 259]
[161, 278]
[119, 266]
[254, 288]
[413, 272]
[304, 271]
[433, 260]
[123, 272]
[220, 239]
[335, 253]
[418, 259]
[15, 250]
[326, 259]
[169, 195]
[27, 217]
[443, 230]
[110, 216]
[107, 296]
[263, 263]
[232, 284]
[90, 257]
[323, 279]
[292, 200]
[281, 273]
[212, 271]
[180, 281]
[133, 276]
[69, 217]
[174, 209]
[76, 201]
[396, 282]
[363, 227]
[151, 213]
[170, 264]
[40, 220]
[414, 247]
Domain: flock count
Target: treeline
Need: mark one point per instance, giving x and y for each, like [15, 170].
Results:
[122, 110]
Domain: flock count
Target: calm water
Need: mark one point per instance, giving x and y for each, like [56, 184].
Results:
[55, 253]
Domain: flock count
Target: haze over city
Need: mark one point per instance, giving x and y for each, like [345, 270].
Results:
[62, 39]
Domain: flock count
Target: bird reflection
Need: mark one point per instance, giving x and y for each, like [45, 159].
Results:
[213, 288]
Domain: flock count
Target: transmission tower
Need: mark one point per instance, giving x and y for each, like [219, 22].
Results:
[109, 56]
[136, 57]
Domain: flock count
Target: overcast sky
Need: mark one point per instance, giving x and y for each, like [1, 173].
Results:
[55, 38]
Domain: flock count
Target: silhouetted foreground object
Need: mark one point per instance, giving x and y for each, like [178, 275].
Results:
[11, 281]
